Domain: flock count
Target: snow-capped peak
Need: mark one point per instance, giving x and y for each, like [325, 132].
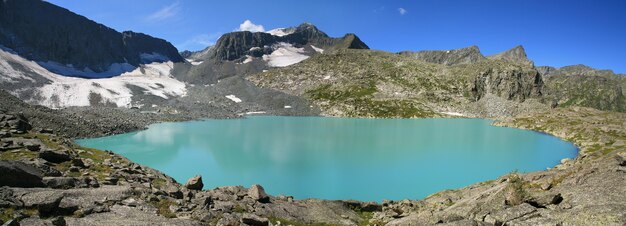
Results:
[281, 31]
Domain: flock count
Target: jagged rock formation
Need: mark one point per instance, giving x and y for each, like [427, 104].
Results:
[580, 85]
[514, 55]
[71, 39]
[511, 83]
[447, 57]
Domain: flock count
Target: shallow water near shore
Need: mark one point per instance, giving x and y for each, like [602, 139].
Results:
[338, 158]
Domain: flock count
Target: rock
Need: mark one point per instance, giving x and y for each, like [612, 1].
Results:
[12, 222]
[54, 156]
[60, 182]
[110, 181]
[8, 199]
[195, 183]
[130, 202]
[49, 131]
[621, 158]
[543, 199]
[257, 193]
[18, 123]
[78, 162]
[19, 174]
[32, 146]
[47, 203]
[174, 192]
[59, 221]
[509, 214]
[251, 219]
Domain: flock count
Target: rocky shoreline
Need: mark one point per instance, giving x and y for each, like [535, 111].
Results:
[56, 182]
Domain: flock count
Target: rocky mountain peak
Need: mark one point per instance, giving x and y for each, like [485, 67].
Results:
[465, 55]
[514, 55]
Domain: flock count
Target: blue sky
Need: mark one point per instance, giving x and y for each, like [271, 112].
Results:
[555, 32]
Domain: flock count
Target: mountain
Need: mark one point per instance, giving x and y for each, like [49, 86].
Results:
[581, 85]
[69, 44]
[447, 57]
[244, 52]
[49, 55]
[514, 55]
[365, 83]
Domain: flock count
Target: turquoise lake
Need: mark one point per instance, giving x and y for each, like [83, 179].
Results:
[338, 158]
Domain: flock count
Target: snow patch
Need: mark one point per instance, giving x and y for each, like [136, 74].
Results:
[63, 91]
[453, 113]
[285, 54]
[68, 70]
[287, 107]
[194, 62]
[255, 48]
[319, 50]
[281, 31]
[255, 112]
[248, 59]
[234, 98]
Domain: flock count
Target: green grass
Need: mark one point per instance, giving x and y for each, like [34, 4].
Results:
[6, 214]
[18, 154]
[163, 208]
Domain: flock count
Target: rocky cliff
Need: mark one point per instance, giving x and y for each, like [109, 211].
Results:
[580, 85]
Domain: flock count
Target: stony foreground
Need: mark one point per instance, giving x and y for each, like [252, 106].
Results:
[48, 180]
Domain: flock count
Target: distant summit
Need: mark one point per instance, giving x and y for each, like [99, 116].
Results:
[240, 44]
[448, 57]
[245, 52]
[514, 55]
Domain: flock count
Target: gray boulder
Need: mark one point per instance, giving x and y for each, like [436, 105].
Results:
[19, 174]
[251, 219]
[60, 182]
[195, 183]
[54, 156]
[257, 193]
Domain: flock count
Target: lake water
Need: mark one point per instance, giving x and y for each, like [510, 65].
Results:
[338, 158]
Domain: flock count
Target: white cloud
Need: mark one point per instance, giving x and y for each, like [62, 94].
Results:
[249, 26]
[402, 11]
[199, 41]
[166, 12]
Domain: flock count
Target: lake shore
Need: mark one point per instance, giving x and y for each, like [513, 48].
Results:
[586, 190]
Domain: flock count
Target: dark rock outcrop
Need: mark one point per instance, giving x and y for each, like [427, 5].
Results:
[19, 174]
[41, 31]
[55, 156]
